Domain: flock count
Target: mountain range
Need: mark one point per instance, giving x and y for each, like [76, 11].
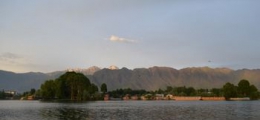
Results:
[140, 78]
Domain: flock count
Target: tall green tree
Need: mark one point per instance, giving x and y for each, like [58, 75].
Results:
[2, 94]
[244, 89]
[229, 91]
[48, 89]
[190, 91]
[103, 88]
[254, 94]
[71, 85]
[32, 91]
[93, 88]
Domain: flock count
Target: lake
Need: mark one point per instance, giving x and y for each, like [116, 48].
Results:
[130, 110]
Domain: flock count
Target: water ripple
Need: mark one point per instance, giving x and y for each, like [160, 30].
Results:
[130, 110]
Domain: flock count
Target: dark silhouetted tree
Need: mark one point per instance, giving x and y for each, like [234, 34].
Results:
[244, 88]
[103, 88]
[229, 91]
[254, 94]
[48, 89]
[71, 85]
[32, 92]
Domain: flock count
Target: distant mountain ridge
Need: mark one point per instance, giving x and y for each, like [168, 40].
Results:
[89, 71]
[21, 81]
[25, 81]
[140, 78]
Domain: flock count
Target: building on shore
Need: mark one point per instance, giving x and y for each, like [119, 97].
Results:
[106, 97]
[143, 97]
[159, 96]
[213, 98]
[134, 97]
[240, 99]
[11, 92]
[31, 97]
[147, 97]
[185, 98]
[169, 97]
[126, 97]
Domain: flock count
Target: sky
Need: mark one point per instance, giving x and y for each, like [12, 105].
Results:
[51, 35]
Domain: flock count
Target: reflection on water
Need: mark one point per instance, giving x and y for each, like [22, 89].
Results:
[64, 113]
[130, 110]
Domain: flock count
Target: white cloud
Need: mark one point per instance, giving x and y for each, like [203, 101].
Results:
[114, 38]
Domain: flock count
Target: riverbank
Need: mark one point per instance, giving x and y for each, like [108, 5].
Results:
[176, 98]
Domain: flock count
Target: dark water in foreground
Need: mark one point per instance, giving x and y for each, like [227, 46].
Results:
[131, 110]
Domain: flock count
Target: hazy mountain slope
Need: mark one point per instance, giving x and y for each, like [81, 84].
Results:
[25, 81]
[160, 77]
[21, 81]
[141, 78]
[252, 75]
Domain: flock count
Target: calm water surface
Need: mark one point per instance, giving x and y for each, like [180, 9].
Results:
[131, 110]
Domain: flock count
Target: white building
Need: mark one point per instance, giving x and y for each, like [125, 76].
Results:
[12, 92]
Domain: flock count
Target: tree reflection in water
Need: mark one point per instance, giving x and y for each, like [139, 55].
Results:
[65, 113]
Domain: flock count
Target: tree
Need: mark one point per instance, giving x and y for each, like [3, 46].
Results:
[244, 88]
[103, 88]
[180, 91]
[229, 91]
[254, 94]
[216, 92]
[159, 91]
[93, 89]
[169, 89]
[190, 91]
[48, 89]
[2, 94]
[71, 85]
[32, 91]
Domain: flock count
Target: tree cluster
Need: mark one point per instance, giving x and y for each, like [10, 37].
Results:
[76, 86]
[28, 93]
[103, 88]
[5, 95]
[244, 89]
[181, 91]
[190, 91]
[177, 91]
[119, 93]
[71, 85]
[2, 95]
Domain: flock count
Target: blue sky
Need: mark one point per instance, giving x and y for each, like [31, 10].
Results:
[47, 35]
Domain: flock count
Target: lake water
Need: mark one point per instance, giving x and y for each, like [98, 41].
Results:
[131, 110]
